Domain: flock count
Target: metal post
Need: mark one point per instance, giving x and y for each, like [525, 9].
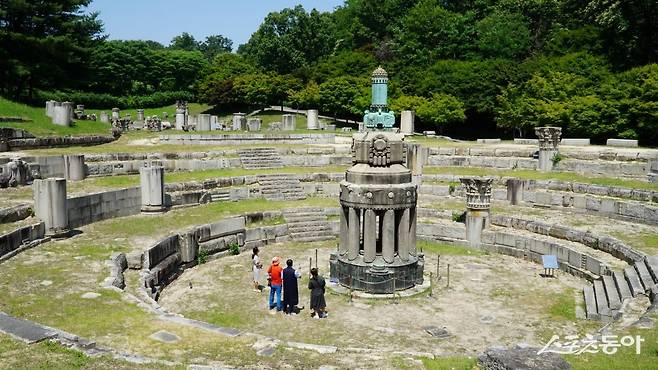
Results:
[310, 264]
[438, 265]
[431, 283]
[448, 286]
[316, 258]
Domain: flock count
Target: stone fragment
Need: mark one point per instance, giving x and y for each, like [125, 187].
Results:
[90, 295]
[436, 332]
[521, 359]
[165, 337]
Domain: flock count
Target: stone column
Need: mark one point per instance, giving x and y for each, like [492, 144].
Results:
[62, 114]
[515, 189]
[388, 235]
[74, 167]
[344, 231]
[412, 231]
[362, 127]
[312, 121]
[140, 114]
[50, 205]
[239, 122]
[69, 106]
[50, 105]
[416, 157]
[116, 113]
[152, 186]
[289, 122]
[478, 203]
[403, 234]
[354, 234]
[369, 235]
[407, 122]
[104, 118]
[549, 138]
[254, 124]
[214, 122]
[203, 122]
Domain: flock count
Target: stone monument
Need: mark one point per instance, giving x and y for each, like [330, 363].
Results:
[377, 247]
[379, 117]
[407, 122]
[152, 189]
[254, 124]
[312, 121]
[288, 122]
[478, 203]
[239, 122]
[50, 205]
[181, 115]
[549, 138]
[203, 122]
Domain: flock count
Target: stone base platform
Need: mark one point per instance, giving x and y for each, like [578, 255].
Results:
[407, 293]
[378, 277]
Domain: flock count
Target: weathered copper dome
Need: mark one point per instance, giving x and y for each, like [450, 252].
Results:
[379, 72]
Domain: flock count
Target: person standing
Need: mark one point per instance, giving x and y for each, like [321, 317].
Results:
[274, 272]
[256, 267]
[316, 284]
[290, 290]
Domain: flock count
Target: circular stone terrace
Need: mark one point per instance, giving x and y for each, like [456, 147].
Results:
[126, 287]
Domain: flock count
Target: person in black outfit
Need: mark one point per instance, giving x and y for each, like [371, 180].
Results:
[290, 290]
[316, 284]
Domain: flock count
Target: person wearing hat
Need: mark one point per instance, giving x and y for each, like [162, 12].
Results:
[276, 283]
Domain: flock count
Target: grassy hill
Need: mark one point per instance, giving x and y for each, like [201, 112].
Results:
[41, 125]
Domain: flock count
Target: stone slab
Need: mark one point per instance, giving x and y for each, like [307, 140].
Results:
[24, 330]
[633, 281]
[575, 142]
[645, 276]
[601, 299]
[313, 347]
[622, 143]
[611, 292]
[489, 141]
[523, 141]
[622, 286]
[165, 337]
[590, 302]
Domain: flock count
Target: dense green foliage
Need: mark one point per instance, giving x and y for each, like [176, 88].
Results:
[498, 67]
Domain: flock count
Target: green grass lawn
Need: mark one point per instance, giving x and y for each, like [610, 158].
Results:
[537, 175]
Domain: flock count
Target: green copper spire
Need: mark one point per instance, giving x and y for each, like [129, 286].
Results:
[379, 117]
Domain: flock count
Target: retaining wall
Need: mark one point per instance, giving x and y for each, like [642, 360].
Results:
[238, 139]
[23, 237]
[91, 208]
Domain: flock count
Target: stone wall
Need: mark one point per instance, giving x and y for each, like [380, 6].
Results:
[603, 154]
[237, 139]
[21, 238]
[57, 141]
[91, 208]
[15, 213]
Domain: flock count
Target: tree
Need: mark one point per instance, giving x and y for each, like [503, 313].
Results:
[441, 110]
[407, 102]
[184, 41]
[503, 35]
[214, 45]
[429, 32]
[290, 39]
[308, 97]
[216, 85]
[344, 96]
[44, 44]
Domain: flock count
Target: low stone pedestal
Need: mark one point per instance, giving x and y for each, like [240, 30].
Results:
[74, 167]
[50, 205]
[478, 204]
[152, 186]
[62, 113]
[116, 113]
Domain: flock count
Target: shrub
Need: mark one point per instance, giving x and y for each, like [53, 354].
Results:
[557, 158]
[234, 248]
[96, 100]
[202, 257]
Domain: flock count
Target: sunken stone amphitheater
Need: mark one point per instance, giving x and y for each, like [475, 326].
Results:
[137, 246]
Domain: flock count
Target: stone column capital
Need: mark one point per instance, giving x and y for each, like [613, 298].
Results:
[478, 192]
[549, 137]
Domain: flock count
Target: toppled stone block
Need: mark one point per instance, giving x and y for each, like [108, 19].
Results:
[623, 143]
[521, 359]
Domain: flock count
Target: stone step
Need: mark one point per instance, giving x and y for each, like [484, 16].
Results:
[303, 219]
[285, 197]
[611, 292]
[590, 302]
[275, 176]
[601, 300]
[279, 182]
[622, 286]
[645, 276]
[305, 222]
[652, 264]
[288, 189]
[305, 234]
[633, 281]
[317, 228]
[314, 238]
[304, 210]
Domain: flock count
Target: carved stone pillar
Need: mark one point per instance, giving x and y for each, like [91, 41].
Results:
[549, 139]
[403, 234]
[369, 235]
[388, 235]
[354, 234]
[152, 186]
[478, 203]
[50, 205]
[344, 235]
